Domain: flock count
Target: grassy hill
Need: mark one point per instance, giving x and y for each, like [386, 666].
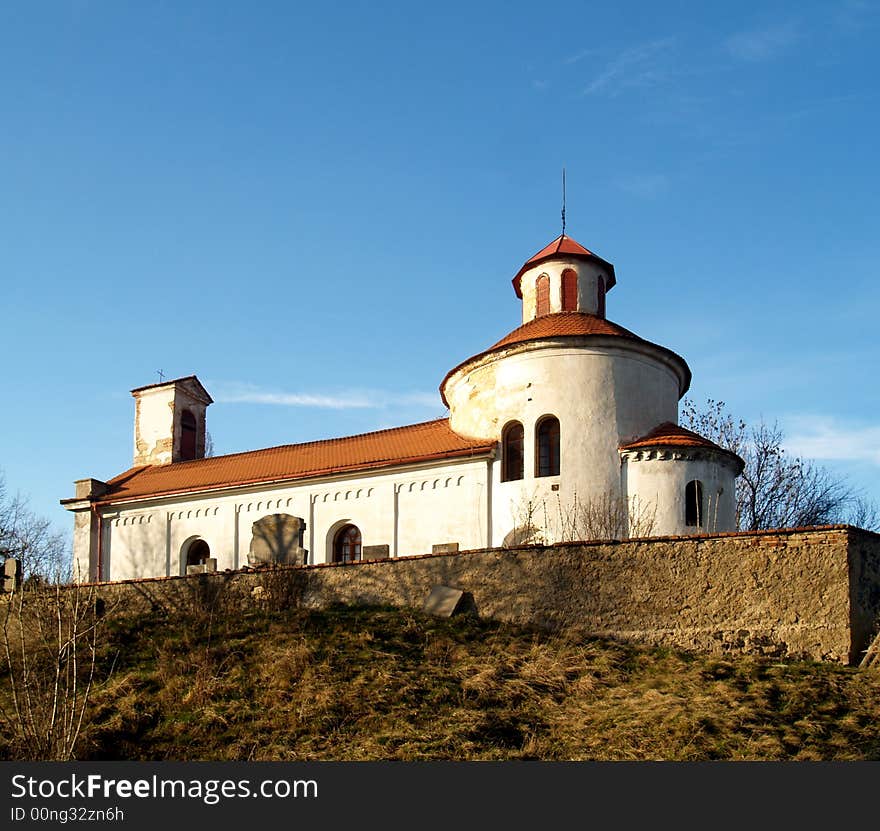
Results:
[382, 683]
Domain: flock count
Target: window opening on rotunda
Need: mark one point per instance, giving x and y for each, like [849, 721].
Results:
[542, 303]
[547, 445]
[512, 457]
[693, 503]
[569, 290]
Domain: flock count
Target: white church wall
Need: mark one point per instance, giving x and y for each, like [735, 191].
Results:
[134, 543]
[602, 397]
[446, 506]
[658, 480]
[151, 539]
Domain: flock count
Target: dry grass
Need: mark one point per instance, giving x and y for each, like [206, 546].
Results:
[358, 684]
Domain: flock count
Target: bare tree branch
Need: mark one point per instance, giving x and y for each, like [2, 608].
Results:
[776, 490]
[44, 553]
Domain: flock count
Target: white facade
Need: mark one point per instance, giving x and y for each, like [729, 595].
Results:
[605, 387]
[660, 477]
[151, 538]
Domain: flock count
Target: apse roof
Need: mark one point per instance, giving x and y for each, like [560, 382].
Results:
[669, 434]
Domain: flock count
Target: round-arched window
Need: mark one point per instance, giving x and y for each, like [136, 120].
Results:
[693, 503]
[512, 457]
[547, 447]
[542, 300]
[198, 553]
[569, 290]
[347, 544]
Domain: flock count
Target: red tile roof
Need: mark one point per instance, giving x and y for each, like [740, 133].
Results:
[668, 434]
[385, 448]
[565, 324]
[567, 247]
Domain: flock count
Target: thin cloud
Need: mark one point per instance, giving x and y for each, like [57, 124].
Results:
[579, 56]
[637, 66]
[765, 43]
[822, 437]
[234, 393]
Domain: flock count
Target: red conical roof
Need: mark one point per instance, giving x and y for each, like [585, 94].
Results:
[563, 246]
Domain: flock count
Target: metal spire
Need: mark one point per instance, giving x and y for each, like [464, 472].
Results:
[563, 201]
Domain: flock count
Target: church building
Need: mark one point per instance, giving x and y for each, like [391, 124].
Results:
[565, 429]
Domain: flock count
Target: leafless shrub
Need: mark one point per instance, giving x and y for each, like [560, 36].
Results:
[602, 517]
[50, 640]
[610, 517]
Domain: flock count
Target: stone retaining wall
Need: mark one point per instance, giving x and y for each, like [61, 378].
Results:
[800, 593]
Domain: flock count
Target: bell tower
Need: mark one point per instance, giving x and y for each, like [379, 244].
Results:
[169, 421]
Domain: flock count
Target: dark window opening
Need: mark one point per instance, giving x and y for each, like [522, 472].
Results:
[347, 544]
[542, 304]
[187, 436]
[600, 300]
[693, 503]
[547, 462]
[198, 554]
[569, 290]
[512, 458]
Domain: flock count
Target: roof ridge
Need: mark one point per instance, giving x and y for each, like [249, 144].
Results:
[315, 442]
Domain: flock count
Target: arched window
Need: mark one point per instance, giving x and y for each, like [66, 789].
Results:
[187, 436]
[198, 553]
[512, 452]
[547, 447]
[347, 544]
[542, 304]
[693, 503]
[569, 290]
[600, 299]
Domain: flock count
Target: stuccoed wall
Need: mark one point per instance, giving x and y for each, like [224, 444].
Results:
[657, 479]
[408, 510]
[803, 593]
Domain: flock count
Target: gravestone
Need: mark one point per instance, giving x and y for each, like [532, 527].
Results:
[444, 601]
[375, 552]
[277, 538]
[11, 574]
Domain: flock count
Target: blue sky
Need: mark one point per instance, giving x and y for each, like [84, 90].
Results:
[318, 209]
